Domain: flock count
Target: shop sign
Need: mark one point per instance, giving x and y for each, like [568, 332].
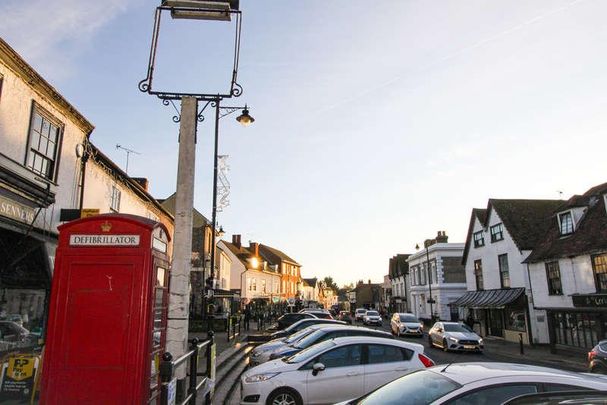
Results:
[104, 240]
[592, 301]
[89, 212]
[18, 376]
[14, 210]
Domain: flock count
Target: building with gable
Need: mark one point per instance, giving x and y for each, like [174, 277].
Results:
[568, 272]
[499, 240]
[289, 269]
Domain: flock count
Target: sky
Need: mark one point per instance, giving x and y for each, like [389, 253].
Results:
[377, 123]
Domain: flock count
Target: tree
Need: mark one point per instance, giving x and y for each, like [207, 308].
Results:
[328, 282]
[348, 287]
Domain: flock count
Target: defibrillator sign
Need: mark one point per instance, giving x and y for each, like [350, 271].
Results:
[18, 376]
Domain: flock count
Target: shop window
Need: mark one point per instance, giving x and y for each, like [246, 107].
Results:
[497, 233]
[502, 261]
[565, 223]
[553, 276]
[478, 274]
[599, 267]
[479, 239]
[115, 199]
[43, 144]
[516, 321]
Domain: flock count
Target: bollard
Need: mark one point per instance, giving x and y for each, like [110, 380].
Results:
[166, 375]
[520, 342]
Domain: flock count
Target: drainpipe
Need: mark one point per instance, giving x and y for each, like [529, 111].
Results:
[529, 331]
[83, 160]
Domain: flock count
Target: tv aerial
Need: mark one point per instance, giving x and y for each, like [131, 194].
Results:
[128, 154]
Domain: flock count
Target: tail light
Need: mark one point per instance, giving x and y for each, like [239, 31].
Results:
[426, 361]
[591, 354]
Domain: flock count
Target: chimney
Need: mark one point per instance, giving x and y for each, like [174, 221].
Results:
[142, 181]
[236, 241]
[254, 248]
[441, 237]
[369, 281]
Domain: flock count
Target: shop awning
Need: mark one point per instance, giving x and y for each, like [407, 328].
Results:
[489, 298]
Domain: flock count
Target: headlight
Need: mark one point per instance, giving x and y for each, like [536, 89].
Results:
[260, 377]
[454, 340]
[480, 341]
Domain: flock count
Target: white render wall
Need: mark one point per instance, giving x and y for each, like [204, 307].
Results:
[577, 277]
[519, 276]
[15, 115]
[443, 293]
[225, 270]
[98, 194]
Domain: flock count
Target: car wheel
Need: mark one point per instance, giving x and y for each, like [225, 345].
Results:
[284, 396]
[445, 346]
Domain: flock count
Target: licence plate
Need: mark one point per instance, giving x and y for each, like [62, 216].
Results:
[469, 347]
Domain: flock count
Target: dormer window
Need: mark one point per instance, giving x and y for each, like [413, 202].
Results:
[566, 223]
[479, 240]
[497, 232]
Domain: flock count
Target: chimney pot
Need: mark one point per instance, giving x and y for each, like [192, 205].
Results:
[254, 248]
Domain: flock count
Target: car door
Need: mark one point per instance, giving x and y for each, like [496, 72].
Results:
[384, 363]
[342, 378]
[436, 333]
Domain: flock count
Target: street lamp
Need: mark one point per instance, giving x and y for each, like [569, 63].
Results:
[429, 276]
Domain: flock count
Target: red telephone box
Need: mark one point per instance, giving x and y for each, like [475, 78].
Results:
[108, 310]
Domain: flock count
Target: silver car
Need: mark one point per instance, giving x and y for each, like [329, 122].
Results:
[406, 324]
[454, 336]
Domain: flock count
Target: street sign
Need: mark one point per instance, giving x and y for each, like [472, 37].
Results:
[275, 300]
[291, 301]
[89, 212]
[18, 376]
[172, 391]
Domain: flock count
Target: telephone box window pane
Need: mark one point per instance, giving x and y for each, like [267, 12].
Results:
[159, 297]
[160, 277]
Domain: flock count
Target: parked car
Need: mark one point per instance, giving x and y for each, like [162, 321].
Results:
[332, 371]
[358, 315]
[345, 316]
[319, 313]
[13, 332]
[262, 353]
[372, 318]
[597, 358]
[297, 326]
[477, 383]
[453, 336]
[326, 333]
[289, 319]
[579, 397]
[406, 324]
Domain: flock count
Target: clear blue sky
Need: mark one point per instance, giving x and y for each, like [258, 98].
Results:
[378, 123]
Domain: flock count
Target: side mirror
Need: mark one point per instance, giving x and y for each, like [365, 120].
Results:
[317, 368]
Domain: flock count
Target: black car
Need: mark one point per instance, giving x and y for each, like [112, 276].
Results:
[327, 333]
[597, 358]
[289, 319]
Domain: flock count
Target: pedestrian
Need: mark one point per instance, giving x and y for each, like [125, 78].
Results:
[470, 320]
[247, 317]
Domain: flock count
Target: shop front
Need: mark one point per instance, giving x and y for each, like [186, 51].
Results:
[582, 326]
[501, 313]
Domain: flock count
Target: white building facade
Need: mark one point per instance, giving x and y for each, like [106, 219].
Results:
[437, 280]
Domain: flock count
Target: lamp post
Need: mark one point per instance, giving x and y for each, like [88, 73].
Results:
[244, 119]
[429, 274]
[188, 117]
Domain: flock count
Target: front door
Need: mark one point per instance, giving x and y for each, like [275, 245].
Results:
[342, 378]
[496, 322]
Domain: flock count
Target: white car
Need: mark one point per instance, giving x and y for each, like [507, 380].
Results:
[360, 312]
[372, 318]
[477, 383]
[453, 336]
[406, 324]
[331, 371]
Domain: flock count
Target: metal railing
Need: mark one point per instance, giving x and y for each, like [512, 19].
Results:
[233, 329]
[170, 391]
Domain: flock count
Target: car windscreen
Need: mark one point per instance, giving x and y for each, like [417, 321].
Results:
[406, 390]
[310, 352]
[360, 311]
[409, 319]
[450, 327]
[298, 335]
[310, 339]
[372, 313]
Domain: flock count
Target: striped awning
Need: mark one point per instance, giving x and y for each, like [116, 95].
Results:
[489, 298]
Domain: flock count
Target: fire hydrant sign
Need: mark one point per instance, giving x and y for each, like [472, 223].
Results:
[18, 376]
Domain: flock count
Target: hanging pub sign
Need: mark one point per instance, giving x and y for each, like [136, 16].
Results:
[18, 375]
[590, 300]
